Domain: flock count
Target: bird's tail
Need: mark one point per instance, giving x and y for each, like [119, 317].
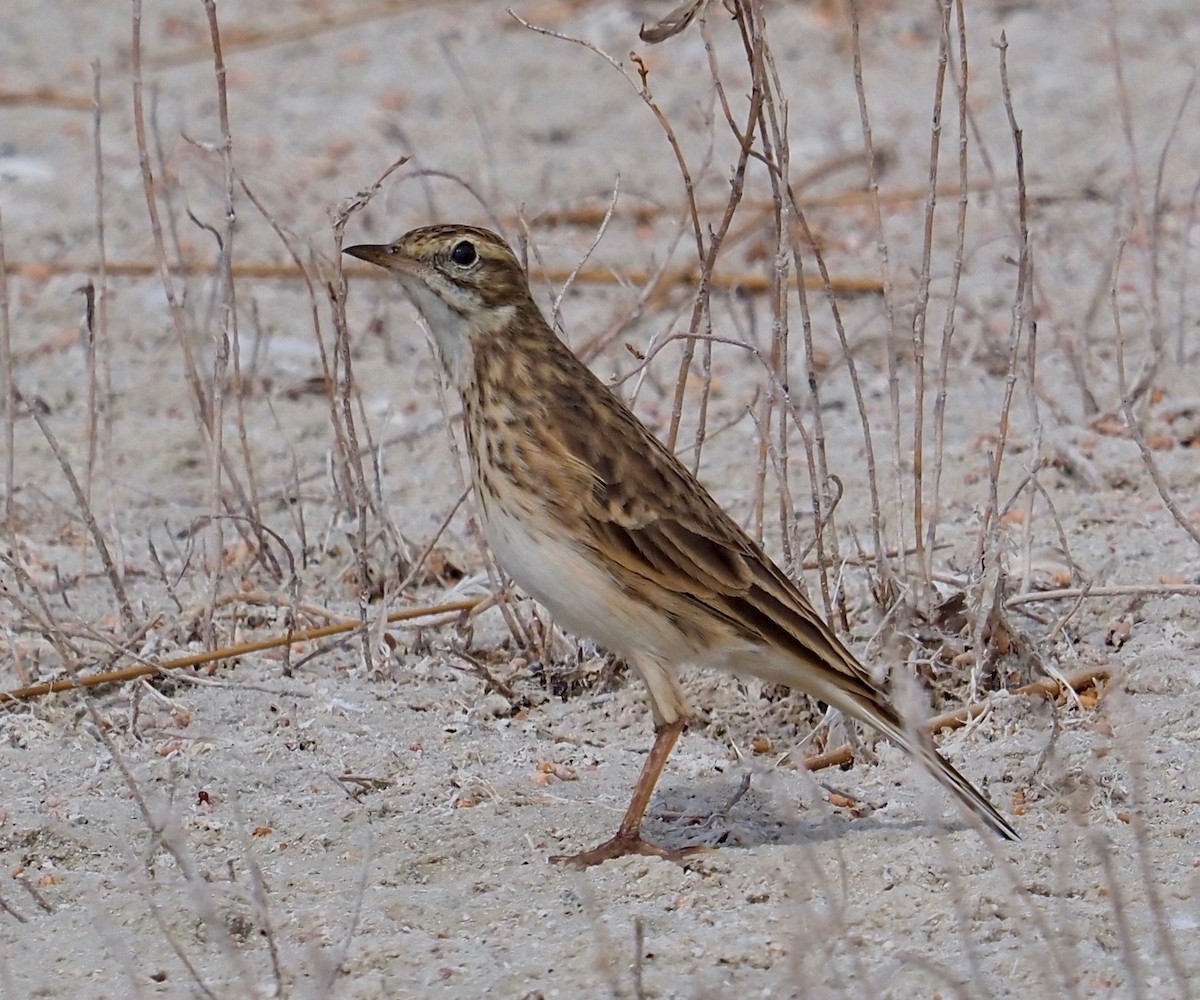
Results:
[921, 747]
[809, 657]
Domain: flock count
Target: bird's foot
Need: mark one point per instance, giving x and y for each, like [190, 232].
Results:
[622, 845]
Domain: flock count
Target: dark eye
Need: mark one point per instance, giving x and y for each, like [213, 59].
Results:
[464, 254]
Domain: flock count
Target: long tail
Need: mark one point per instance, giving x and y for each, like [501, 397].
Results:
[812, 659]
[884, 718]
[837, 679]
[789, 643]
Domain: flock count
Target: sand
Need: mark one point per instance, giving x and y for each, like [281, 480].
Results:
[348, 829]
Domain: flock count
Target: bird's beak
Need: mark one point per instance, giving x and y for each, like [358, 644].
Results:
[381, 254]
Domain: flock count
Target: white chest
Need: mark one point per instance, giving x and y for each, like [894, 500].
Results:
[570, 582]
[546, 565]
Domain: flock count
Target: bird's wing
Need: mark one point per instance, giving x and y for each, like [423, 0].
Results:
[663, 525]
[656, 523]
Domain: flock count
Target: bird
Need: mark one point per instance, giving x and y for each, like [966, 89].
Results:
[597, 520]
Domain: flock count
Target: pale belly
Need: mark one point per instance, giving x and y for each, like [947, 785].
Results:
[580, 594]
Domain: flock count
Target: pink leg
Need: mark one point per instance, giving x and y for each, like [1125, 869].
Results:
[628, 838]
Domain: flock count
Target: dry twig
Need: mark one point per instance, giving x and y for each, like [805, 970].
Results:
[455, 608]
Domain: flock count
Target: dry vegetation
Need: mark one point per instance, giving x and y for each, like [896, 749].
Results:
[856, 378]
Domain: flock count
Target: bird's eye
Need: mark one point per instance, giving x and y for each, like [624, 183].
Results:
[464, 254]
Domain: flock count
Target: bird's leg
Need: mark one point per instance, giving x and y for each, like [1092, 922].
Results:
[628, 838]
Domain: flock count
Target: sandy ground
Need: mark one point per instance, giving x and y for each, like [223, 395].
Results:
[393, 824]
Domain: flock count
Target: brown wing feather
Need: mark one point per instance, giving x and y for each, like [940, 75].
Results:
[662, 525]
[656, 522]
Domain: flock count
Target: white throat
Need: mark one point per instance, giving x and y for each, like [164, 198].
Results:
[449, 330]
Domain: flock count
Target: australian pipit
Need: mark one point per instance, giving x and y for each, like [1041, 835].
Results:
[599, 522]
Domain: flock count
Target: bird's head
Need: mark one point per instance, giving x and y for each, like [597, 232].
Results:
[465, 282]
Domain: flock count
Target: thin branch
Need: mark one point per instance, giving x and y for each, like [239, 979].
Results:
[454, 608]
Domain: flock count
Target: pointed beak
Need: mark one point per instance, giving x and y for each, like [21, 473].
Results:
[381, 254]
